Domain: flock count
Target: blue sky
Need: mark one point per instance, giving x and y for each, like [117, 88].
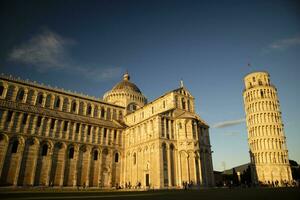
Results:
[86, 46]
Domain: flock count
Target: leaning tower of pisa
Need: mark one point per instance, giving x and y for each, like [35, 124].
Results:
[266, 139]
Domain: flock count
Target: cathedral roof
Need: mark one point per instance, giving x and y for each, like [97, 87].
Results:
[126, 84]
[185, 114]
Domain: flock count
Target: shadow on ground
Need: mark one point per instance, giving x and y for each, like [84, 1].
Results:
[202, 194]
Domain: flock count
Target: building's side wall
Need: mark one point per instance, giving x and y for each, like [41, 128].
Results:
[48, 137]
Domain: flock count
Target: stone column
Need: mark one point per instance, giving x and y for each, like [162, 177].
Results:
[161, 166]
[170, 129]
[179, 164]
[52, 99]
[26, 125]
[19, 122]
[4, 143]
[176, 178]
[5, 87]
[79, 133]
[96, 135]
[3, 119]
[69, 105]
[44, 99]
[121, 135]
[40, 129]
[200, 170]
[92, 133]
[49, 164]
[53, 131]
[74, 132]
[11, 123]
[196, 131]
[117, 137]
[84, 138]
[193, 168]
[165, 128]
[92, 111]
[47, 128]
[77, 106]
[33, 127]
[76, 154]
[100, 168]
[87, 181]
[31, 162]
[84, 108]
[99, 112]
[61, 128]
[15, 93]
[34, 97]
[67, 132]
[169, 166]
[25, 95]
[18, 166]
[61, 103]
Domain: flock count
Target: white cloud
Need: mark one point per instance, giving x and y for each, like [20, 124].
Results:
[231, 133]
[228, 123]
[283, 44]
[99, 73]
[48, 51]
[44, 51]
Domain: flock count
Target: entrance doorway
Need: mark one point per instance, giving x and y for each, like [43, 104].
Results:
[147, 180]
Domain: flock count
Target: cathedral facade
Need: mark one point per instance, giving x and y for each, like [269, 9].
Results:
[54, 137]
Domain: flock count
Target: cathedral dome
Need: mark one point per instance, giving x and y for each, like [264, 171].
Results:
[126, 85]
[127, 94]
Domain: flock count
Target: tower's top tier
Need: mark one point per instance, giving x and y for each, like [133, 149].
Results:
[256, 79]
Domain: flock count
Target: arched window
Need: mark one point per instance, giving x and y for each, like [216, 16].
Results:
[183, 103]
[134, 158]
[89, 110]
[20, 95]
[104, 132]
[24, 120]
[77, 127]
[40, 99]
[89, 129]
[180, 125]
[115, 134]
[57, 102]
[71, 153]
[120, 115]
[261, 93]
[96, 155]
[74, 105]
[114, 115]
[116, 157]
[9, 116]
[15, 145]
[1, 90]
[39, 121]
[45, 150]
[259, 82]
[52, 124]
[131, 107]
[102, 112]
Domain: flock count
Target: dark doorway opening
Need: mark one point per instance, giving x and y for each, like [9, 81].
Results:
[147, 180]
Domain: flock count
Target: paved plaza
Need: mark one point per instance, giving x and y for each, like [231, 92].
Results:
[202, 194]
